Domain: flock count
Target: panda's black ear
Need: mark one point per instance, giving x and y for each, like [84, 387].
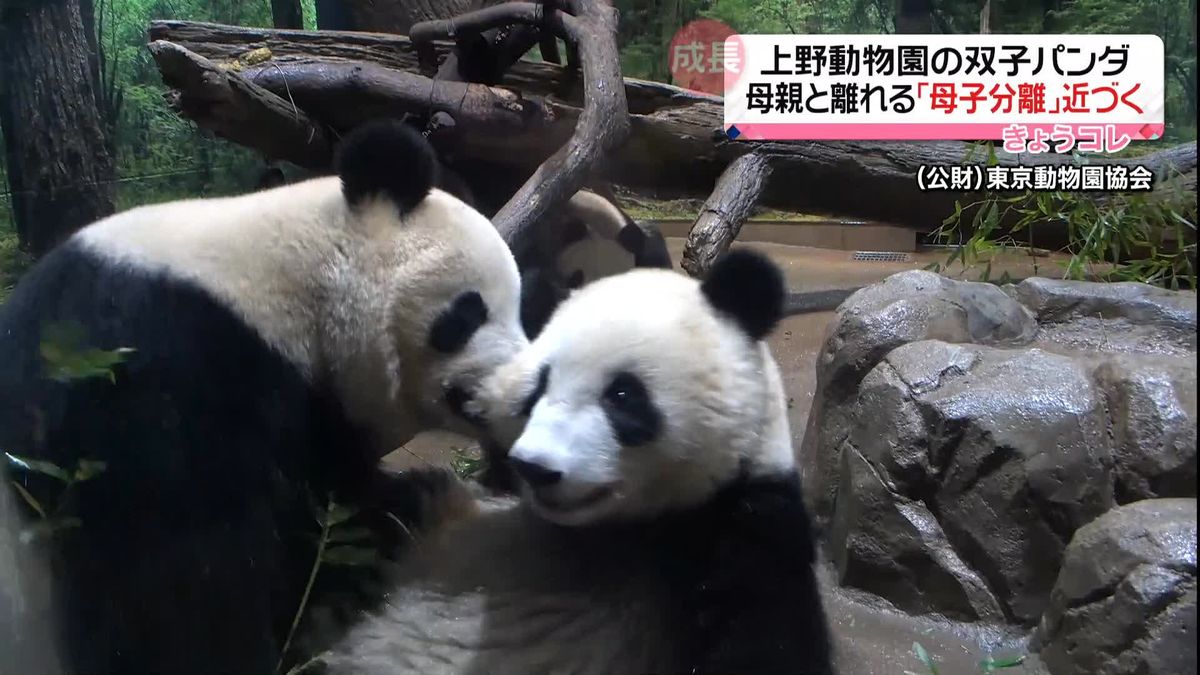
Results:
[748, 287]
[386, 158]
[632, 238]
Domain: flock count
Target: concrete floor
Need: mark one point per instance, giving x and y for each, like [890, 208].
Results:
[871, 638]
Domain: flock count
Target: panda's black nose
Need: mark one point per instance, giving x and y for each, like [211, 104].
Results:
[535, 474]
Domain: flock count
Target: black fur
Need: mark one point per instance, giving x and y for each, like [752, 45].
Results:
[654, 251]
[740, 572]
[386, 157]
[748, 287]
[271, 177]
[191, 555]
[541, 293]
[631, 411]
[573, 230]
[748, 582]
[632, 238]
[539, 389]
[452, 330]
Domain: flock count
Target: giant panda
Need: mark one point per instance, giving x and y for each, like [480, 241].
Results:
[660, 527]
[283, 341]
[589, 238]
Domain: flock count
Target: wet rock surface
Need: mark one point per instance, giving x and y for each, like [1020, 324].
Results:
[1125, 599]
[962, 433]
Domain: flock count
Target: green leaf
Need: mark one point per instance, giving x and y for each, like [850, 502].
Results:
[48, 527]
[336, 513]
[46, 468]
[88, 469]
[29, 498]
[925, 658]
[350, 556]
[350, 534]
[66, 357]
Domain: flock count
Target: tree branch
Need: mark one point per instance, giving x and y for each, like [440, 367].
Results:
[235, 109]
[732, 201]
[603, 125]
[676, 144]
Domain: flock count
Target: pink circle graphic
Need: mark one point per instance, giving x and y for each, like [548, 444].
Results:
[696, 56]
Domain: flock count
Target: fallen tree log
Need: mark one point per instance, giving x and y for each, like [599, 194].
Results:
[240, 111]
[676, 145]
[732, 201]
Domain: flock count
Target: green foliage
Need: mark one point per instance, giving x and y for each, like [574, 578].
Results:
[66, 357]
[466, 464]
[13, 261]
[51, 520]
[339, 543]
[989, 664]
[1143, 237]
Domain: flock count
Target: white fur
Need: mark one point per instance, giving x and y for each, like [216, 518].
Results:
[344, 294]
[720, 395]
[599, 254]
[501, 591]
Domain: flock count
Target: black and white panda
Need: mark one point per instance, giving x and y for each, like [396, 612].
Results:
[589, 239]
[282, 338]
[661, 527]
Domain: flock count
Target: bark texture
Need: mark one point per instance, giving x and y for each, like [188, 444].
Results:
[61, 173]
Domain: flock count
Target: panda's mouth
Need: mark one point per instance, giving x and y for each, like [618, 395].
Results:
[557, 504]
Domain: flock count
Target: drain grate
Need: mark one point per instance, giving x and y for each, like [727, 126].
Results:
[880, 256]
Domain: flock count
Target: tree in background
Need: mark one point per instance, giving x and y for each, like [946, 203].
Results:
[60, 168]
[287, 14]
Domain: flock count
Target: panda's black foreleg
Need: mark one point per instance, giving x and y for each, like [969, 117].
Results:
[756, 601]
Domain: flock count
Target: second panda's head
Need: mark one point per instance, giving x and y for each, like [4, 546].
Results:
[439, 277]
[647, 392]
[596, 239]
[589, 239]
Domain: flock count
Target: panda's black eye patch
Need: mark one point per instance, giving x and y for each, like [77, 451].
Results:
[538, 390]
[574, 230]
[454, 327]
[634, 417]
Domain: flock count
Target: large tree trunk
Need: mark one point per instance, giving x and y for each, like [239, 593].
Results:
[675, 148]
[287, 14]
[59, 167]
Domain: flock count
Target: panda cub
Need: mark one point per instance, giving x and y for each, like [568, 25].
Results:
[589, 239]
[282, 340]
[660, 527]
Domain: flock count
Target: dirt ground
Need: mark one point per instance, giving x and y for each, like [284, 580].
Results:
[871, 639]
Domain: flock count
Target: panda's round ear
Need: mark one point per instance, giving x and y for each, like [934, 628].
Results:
[386, 158]
[749, 288]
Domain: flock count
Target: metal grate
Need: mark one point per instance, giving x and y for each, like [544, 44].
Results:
[880, 256]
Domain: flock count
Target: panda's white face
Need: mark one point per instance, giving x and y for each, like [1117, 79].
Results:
[637, 398]
[453, 294]
[399, 296]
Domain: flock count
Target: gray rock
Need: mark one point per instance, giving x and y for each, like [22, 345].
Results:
[961, 434]
[1152, 405]
[1059, 301]
[906, 307]
[1110, 318]
[1125, 599]
[967, 463]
